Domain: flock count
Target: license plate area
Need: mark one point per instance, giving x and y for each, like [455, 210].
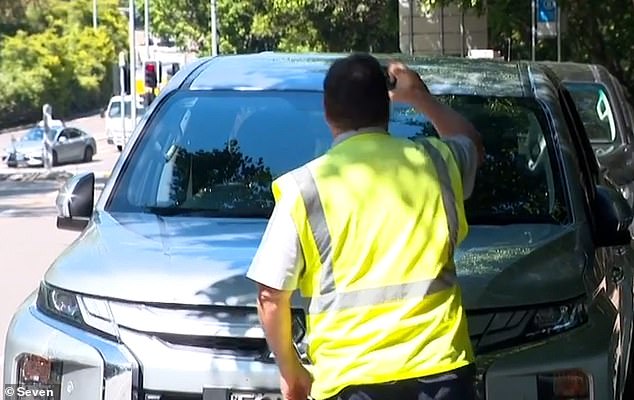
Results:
[240, 394]
[247, 395]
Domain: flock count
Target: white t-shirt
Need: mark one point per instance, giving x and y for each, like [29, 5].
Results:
[279, 261]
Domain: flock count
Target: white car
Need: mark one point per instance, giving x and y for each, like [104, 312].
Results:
[119, 130]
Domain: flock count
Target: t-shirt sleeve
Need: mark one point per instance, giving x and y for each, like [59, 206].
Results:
[278, 261]
[466, 155]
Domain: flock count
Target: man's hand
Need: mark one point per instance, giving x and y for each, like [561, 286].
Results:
[410, 88]
[296, 384]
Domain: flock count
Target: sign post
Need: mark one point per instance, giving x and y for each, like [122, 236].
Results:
[122, 92]
[546, 23]
[47, 116]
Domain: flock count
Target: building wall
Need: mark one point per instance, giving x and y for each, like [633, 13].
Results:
[441, 31]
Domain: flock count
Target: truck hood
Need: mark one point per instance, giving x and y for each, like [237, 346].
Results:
[202, 261]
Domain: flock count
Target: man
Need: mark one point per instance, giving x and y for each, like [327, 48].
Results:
[367, 233]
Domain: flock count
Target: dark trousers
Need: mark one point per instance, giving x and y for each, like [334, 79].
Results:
[458, 384]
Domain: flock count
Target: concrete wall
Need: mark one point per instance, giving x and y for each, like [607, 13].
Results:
[460, 33]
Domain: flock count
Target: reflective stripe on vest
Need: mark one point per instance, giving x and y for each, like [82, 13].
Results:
[331, 300]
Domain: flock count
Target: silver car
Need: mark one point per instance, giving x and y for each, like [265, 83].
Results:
[151, 301]
[69, 145]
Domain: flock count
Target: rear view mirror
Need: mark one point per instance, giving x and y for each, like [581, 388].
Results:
[613, 217]
[75, 202]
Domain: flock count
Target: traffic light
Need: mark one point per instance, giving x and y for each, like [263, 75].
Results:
[151, 74]
[126, 80]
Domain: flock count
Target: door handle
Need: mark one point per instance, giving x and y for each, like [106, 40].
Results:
[617, 274]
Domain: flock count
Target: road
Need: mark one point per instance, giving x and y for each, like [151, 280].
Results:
[30, 242]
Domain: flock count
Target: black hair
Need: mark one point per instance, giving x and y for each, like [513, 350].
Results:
[356, 93]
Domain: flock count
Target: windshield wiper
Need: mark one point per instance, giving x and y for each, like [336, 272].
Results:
[207, 212]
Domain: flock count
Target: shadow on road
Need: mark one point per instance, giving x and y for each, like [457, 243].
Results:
[32, 199]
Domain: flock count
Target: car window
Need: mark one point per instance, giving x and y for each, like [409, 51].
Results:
[596, 111]
[37, 133]
[219, 152]
[115, 110]
[73, 133]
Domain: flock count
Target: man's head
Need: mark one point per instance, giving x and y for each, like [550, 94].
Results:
[356, 94]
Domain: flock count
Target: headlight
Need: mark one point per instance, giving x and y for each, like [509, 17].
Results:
[85, 312]
[559, 318]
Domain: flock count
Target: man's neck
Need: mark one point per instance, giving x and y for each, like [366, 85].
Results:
[343, 135]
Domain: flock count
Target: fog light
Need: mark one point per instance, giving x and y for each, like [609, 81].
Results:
[40, 374]
[563, 385]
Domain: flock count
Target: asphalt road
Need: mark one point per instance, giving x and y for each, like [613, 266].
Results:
[29, 239]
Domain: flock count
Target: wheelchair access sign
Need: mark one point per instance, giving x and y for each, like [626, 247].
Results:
[547, 21]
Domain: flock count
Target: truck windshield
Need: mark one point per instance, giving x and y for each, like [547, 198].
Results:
[115, 110]
[216, 153]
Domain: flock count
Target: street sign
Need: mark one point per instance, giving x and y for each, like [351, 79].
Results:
[547, 26]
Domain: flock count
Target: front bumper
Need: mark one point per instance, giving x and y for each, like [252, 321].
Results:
[144, 367]
[21, 160]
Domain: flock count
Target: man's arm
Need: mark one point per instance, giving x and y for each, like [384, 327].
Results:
[447, 121]
[276, 268]
[274, 308]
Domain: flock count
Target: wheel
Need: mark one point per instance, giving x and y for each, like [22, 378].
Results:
[120, 148]
[88, 154]
[54, 161]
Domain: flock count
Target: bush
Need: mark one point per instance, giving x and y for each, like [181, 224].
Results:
[62, 61]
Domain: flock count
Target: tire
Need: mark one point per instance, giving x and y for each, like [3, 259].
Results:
[88, 153]
[120, 148]
[54, 161]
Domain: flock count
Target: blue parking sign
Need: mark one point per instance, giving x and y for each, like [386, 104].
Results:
[547, 18]
[547, 11]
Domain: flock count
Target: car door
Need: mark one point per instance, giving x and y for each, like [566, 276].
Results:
[61, 146]
[614, 264]
[76, 145]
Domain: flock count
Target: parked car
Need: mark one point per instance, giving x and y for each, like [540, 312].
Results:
[608, 116]
[151, 301]
[68, 145]
[118, 130]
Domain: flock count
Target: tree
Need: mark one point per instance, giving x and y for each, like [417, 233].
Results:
[596, 32]
[283, 25]
[51, 54]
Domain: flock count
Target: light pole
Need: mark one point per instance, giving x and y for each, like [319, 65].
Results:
[132, 70]
[214, 30]
[533, 28]
[94, 14]
[146, 11]
[122, 91]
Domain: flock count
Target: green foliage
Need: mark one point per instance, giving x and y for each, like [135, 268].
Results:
[595, 32]
[282, 25]
[51, 54]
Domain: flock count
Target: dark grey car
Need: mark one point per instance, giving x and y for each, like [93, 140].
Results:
[151, 301]
[605, 108]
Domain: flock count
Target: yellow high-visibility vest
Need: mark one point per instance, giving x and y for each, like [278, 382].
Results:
[378, 218]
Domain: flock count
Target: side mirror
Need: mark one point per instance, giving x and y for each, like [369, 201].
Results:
[62, 139]
[102, 113]
[614, 216]
[75, 202]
